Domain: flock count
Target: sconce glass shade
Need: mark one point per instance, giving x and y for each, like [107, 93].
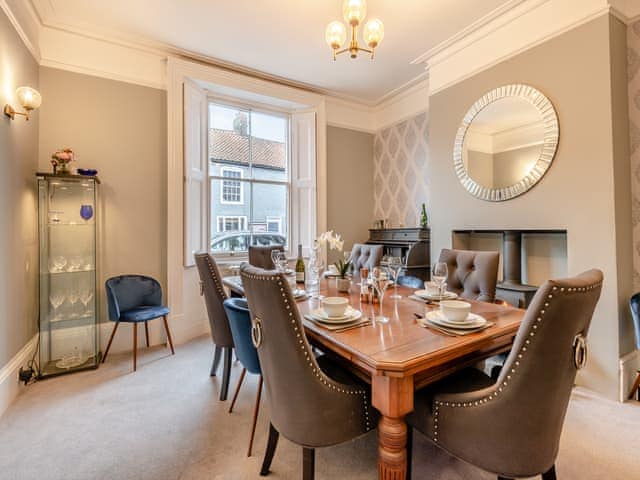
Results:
[29, 98]
[373, 32]
[336, 34]
[354, 11]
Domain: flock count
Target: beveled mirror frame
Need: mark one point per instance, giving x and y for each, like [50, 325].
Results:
[547, 154]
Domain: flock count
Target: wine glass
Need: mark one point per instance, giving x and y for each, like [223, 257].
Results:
[280, 261]
[74, 297]
[274, 258]
[380, 282]
[439, 275]
[85, 297]
[56, 300]
[395, 268]
[86, 212]
[59, 262]
[75, 263]
[316, 266]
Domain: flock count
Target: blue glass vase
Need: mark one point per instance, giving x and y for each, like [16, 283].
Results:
[86, 212]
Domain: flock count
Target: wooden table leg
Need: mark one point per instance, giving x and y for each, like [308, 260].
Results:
[393, 397]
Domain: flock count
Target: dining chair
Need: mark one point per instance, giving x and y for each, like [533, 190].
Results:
[135, 299]
[313, 403]
[214, 294]
[512, 427]
[260, 256]
[634, 303]
[471, 274]
[363, 255]
[240, 323]
[409, 281]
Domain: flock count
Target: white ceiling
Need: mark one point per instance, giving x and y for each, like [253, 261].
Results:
[283, 38]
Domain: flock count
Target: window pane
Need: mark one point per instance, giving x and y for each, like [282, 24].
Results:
[269, 146]
[270, 220]
[230, 219]
[228, 138]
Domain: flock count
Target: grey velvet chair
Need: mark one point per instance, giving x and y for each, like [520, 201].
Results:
[512, 427]
[368, 256]
[310, 401]
[214, 296]
[472, 275]
[634, 304]
[260, 256]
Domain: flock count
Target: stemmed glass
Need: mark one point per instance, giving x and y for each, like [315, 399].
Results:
[85, 297]
[439, 275]
[275, 255]
[73, 296]
[316, 266]
[380, 282]
[395, 268]
[56, 300]
[59, 262]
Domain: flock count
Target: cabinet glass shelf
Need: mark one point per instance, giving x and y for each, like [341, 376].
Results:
[67, 253]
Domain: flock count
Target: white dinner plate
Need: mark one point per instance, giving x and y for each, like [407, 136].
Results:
[351, 315]
[427, 296]
[472, 321]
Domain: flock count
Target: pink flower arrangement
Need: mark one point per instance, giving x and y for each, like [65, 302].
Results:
[62, 157]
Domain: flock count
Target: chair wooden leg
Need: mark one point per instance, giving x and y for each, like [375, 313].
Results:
[635, 387]
[308, 463]
[146, 332]
[550, 474]
[235, 395]
[256, 411]
[272, 443]
[113, 333]
[409, 451]
[216, 360]
[226, 374]
[166, 328]
[135, 344]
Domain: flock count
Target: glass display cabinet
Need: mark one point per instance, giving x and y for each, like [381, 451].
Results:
[67, 252]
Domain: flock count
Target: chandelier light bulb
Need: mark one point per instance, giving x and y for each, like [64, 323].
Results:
[373, 32]
[29, 98]
[354, 11]
[336, 34]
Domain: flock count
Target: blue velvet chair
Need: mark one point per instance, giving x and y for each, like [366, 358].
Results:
[135, 299]
[411, 282]
[240, 323]
[634, 303]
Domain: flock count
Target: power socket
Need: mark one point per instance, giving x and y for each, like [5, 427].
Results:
[26, 374]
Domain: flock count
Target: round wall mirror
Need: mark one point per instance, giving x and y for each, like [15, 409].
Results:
[506, 142]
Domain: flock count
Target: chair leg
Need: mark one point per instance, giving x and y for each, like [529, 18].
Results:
[308, 463]
[166, 328]
[256, 410]
[409, 451]
[235, 395]
[550, 474]
[216, 360]
[146, 332]
[270, 451]
[635, 387]
[135, 344]
[113, 333]
[226, 374]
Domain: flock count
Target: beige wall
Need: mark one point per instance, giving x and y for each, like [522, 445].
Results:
[350, 184]
[119, 129]
[578, 193]
[18, 201]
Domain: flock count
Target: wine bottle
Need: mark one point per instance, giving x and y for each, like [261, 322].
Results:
[424, 219]
[300, 273]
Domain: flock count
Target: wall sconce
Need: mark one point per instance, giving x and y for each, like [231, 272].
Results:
[29, 98]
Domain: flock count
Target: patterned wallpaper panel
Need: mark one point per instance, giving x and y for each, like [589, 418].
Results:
[400, 169]
[633, 72]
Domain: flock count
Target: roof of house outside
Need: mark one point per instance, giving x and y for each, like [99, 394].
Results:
[227, 146]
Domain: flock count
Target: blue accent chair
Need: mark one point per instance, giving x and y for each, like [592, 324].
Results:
[240, 323]
[411, 282]
[634, 303]
[134, 299]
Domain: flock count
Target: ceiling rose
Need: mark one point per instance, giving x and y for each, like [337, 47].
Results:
[354, 12]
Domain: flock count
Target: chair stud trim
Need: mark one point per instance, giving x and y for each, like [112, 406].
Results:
[437, 404]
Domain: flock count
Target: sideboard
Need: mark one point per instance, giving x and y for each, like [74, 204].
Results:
[414, 244]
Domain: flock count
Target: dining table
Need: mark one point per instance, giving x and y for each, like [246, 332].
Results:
[401, 356]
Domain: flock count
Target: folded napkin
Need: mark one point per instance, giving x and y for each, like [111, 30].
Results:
[361, 322]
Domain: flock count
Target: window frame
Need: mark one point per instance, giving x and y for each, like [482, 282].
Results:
[229, 179]
[274, 219]
[242, 221]
[288, 184]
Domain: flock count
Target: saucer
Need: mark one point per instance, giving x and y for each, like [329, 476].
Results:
[351, 315]
[427, 296]
[471, 322]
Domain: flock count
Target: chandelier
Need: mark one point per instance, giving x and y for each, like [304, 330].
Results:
[354, 12]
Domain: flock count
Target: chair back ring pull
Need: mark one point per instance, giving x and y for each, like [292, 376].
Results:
[580, 351]
[256, 332]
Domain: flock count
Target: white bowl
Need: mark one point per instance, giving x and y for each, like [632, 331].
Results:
[335, 306]
[455, 310]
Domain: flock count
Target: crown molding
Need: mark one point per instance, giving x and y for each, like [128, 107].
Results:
[19, 14]
[627, 11]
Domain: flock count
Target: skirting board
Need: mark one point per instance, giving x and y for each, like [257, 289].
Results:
[629, 366]
[10, 386]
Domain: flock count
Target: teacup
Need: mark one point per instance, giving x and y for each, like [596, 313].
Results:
[455, 310]
[335, 306]
[432, 288]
